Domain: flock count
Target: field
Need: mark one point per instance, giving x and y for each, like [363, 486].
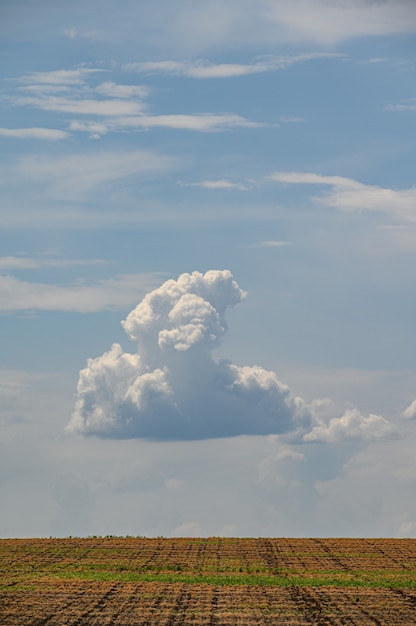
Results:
[217, 581]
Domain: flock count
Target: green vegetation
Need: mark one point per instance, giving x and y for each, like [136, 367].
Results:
[376, 580]
[26, 564]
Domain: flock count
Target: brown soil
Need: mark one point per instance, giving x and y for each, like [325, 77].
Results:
[38, 586]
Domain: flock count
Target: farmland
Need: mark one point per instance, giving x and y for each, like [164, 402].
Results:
[131, 581]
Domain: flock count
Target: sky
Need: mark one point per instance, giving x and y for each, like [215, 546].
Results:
[207, 243]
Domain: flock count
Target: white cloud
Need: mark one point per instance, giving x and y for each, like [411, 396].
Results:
[291, 119]
[45, 84]
[204, 69]
[31, 263]
[410, 411]
[403, 234]
[188, 529]
[215, 25]
[274, 243]
[310, 178]
[244, 486]
[331, 23]
[171, 388]
[174, 483]
[113, 107]
[408, 105]
[351, 426]
[64, 209]
[407, 529]
[69, 91]
[76, 33]
[277, 468]
[49, 134]
[74, 175]
[201, 122]
[348, 194]
[94, 128]
[109, 294]
[373, 60]
[193, 28]
[215, 184]
[58, 78]
[122, 91]
[117, 107]
[373, 391]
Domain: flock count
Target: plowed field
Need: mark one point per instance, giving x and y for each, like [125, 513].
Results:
[215, 581]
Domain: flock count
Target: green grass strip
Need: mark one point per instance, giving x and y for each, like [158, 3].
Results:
[374, 580]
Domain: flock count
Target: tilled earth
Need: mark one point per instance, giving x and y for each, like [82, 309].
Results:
[370, 581]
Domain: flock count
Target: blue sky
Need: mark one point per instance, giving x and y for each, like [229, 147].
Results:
[269, 147]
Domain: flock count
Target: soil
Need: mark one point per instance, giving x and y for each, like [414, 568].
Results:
[42, 582]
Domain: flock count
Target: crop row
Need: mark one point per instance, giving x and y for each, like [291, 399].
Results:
[216, 581]
[339, 562]
[128, 604]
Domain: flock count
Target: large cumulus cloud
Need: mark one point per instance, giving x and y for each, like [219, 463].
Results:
[171, 387]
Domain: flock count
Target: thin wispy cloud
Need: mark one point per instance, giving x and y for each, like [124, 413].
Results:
[205, 122]
[273, 243]
[331, 23]
[75, 175]
[348, 194]
[122, 91]
[373, 60]
[47, 134]
[76, 33]
[203, 69]
[71, 91]
[215, 184]
[403, 234]
[95, 129]
[291, 119]
[34, 263]
[57, 78]
[79, 297]
[407, 106]
[112, 107]
[197, 28]
[267, 23]
[61, 208]
[310, 178]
